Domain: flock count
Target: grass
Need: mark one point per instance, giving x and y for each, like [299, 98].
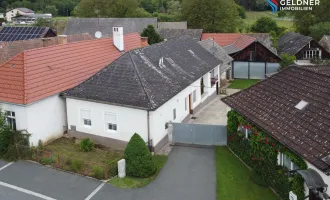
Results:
[67, 147]
[253, 16]
[131, 182]
[242, 83]
[61, 18]
[233, 180]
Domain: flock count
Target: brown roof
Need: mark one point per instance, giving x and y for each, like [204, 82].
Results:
[38, 73]
[11, 49]
[270, 105]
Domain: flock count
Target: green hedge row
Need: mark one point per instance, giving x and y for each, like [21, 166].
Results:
[259, 152]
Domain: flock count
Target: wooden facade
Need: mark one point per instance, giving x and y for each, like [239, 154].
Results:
[256, 52]
[313, 46]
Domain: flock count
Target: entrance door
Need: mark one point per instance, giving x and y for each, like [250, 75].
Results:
[190, 107]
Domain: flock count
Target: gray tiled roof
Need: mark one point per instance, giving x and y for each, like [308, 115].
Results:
[264, 38]
[104, 25]
[195, 34]
[270, 104]
[291, 43]
[221, 54]
[138, 79]
[172, 25]
[231, 49]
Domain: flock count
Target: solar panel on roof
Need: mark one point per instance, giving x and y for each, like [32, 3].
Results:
[20, 33]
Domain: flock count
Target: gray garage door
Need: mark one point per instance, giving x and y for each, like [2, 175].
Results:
[199, 134]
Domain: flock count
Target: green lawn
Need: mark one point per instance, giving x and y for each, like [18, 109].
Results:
[242, 83]
[131, 182]
[252, 16]
[233, 180]
[61, 18]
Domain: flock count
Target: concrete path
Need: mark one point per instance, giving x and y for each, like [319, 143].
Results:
[188, 175]
[214, 113]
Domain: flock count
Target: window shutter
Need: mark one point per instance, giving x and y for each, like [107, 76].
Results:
[111, 118]
[85, 114]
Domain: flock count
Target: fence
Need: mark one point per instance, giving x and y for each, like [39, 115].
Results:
[67, 163]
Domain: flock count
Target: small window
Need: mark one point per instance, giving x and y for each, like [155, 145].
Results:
[87, 122]
[10, 119]
[194, 96]
[174, 114]
[111, 121]
[112, 126]
[285, 161]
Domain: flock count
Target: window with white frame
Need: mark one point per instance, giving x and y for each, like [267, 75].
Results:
[86, 117]
[111, 121]
[186, 103]
[194, 96]
[285, 161]
[10, 119]
[174, 114]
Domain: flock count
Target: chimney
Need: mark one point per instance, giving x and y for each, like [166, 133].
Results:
[118, 38]
[62, 39]
[144, 41]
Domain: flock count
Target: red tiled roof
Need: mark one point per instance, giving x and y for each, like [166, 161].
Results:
[38, 73]
[243, 41]
[11, 49]
[222, 39]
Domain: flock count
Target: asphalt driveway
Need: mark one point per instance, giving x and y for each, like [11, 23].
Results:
[189, 174]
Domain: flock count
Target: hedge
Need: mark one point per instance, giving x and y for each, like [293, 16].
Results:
[260, 152]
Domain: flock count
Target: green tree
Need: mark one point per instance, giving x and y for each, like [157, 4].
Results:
[51, 9]
[261, 5]
[318, 30]
[266, 25]
[153, 36]
[287, 60]
[211, 15]
[41, 22]
[139, 162]
[174, 7]
[241, 12]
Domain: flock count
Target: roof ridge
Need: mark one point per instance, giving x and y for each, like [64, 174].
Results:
[138, 74]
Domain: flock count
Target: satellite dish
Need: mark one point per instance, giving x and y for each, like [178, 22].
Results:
[98, 34]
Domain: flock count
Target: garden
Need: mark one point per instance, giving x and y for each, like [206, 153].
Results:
[242, 83]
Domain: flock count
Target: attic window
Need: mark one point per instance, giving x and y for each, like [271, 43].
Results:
[301, 105]
[12, 65]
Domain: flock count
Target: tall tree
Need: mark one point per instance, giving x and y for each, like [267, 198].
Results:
[153, 36]
[211, 15]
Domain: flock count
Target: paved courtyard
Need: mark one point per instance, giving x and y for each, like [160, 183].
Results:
[214, 113]
[189, 174]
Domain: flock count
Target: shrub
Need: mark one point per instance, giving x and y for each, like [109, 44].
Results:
[287, 60]
[98, 172]
[76, 165]
[139, 162]
[86, 145]
[281, 13]
[47, 160]
[40, 145]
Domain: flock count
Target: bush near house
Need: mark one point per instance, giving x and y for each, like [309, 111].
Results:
[139, 162]
[86, 145]
[260, 153]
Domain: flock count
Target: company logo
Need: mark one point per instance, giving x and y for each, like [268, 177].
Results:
[274, 5]
[277, 5]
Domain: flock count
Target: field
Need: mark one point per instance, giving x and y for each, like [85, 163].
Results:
[252, 16]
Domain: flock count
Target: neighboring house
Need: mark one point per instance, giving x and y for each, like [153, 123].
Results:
[2, 15]
[303, 47]
[220, 53]
[16, 12]
[292, 106]
[167, 34]
[30, 18]
[12, 33]
[105, 25]
[11, 49]
[32, 80]
[325, 42]
[172, 25]
[141, 92]
[253, 56]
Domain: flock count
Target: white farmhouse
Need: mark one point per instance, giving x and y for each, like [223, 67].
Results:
[17, 11]
[142, 91]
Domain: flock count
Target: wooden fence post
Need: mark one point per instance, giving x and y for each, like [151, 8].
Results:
[106, 172]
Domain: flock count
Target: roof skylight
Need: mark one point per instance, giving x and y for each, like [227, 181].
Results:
[301, 105]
